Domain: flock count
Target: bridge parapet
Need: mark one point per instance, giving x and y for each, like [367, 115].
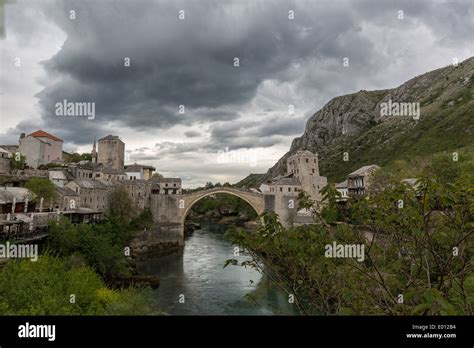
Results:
[226, 189]
[173, 209]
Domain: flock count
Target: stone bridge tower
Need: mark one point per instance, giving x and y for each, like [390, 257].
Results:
[304, 166]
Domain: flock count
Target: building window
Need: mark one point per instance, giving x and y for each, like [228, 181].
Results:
[289, 189]
[315, 160]
[307, 160]
[313, 170]
[281, 189]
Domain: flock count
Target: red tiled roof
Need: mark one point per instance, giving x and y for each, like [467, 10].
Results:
[42, 134]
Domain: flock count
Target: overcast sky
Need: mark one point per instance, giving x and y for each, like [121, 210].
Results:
[191, 62]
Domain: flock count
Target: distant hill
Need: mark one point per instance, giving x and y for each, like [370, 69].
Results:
[354, 124]
[251, 180]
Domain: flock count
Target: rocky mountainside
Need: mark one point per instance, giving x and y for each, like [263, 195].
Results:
[357, 124]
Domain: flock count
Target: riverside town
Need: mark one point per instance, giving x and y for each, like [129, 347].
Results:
[223, 166]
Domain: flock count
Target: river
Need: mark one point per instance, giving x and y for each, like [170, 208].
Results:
[194, 282]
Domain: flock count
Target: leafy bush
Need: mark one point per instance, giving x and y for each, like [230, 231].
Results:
[45, 287]
[101, 246]
[418, 254]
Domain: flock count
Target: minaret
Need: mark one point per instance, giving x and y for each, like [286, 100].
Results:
[94, 153]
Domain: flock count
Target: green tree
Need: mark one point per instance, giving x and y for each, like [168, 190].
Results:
[76, 157]
[101, 246]
[121, 205]
[42, 188]
[157, 176]
[418, 245]
[18, 161]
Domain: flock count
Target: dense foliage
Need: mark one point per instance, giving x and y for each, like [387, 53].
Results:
[42, 188]
[78, 261]
[418, 239]
[76, 157]
[121, 205]
[101, 246]
[18, 161]
[51, 286]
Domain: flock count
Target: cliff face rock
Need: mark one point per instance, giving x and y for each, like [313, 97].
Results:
[355, 123]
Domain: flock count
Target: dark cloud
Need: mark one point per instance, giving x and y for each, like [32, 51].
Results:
[264, 133]
[173, 62]
[182, 62]
[190, 63]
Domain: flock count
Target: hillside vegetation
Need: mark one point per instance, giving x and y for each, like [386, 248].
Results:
[353, 123]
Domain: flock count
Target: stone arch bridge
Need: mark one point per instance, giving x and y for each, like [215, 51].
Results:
[170, 211]
[255, 200]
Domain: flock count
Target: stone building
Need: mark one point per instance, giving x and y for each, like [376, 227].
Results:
[4, 161]
[94, 152]
[285, 185]
[281, 193]
[109, 174]
[16, 200]
[66, 199]
[12, 149]
[111, 152]
[343, 190]
[58, 177]
[93, 193]
[139, 172]
[166, 186]
[41, 148]
[304, 166]
[139, 191]
[95, 171]
[359, 180]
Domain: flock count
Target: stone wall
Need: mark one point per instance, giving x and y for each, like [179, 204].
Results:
[111, 152]
[157, 240]
[165, 208]
[4, 165]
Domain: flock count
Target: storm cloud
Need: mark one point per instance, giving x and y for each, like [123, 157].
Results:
[181, 77]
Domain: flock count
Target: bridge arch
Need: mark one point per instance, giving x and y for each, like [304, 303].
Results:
[255, 200]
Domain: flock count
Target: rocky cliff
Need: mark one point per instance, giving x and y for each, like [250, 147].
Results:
[358, 124]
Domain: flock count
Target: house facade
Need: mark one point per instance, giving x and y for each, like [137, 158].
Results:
[359, 181]
[41, 148]
[139, 172]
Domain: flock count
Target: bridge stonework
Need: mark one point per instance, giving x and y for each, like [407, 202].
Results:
[170, 211]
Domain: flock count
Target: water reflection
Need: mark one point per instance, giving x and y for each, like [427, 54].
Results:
[209, 289]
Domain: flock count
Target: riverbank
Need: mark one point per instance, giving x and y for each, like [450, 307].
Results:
[195, 274]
